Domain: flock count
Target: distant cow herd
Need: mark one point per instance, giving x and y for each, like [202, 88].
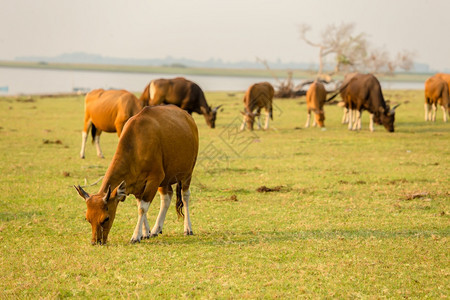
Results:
[158, 138]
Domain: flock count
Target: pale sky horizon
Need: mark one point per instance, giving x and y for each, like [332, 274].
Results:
[230, 30]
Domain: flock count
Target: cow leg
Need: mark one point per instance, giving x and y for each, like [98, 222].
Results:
[350, 119]
[97, 144]
[258, 114]
[427, 107]
[345, 116]
[433, 116]
[308, 119]
[143, 205]
[444, 110]
[371, 128]
[165, 194]
[357, 122]
[243, 125]
[187, 219]
[142, 215]
[84, 135]
[266, 126]
[359, 113]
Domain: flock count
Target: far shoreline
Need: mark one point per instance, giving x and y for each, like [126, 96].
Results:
[261, 73]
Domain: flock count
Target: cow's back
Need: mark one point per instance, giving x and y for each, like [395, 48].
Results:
[259, 95]
[169, 91]
[364, 91]
[106, 108]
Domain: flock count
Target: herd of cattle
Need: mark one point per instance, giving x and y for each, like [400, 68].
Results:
[158, 144]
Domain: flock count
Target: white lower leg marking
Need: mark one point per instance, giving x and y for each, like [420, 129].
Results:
[97, 145]
[142, 214]
[345, 116]
[444, 110]
[266, 126]
[427, 111]
[371, 123]
[83, 143]
[165, 203]
[308, 119]
[433, 117]
[243, 125]
[187, 219]
[350, 119]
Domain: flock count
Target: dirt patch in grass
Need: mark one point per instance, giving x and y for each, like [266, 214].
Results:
[278, 188]
[416, 195]
[58, 142]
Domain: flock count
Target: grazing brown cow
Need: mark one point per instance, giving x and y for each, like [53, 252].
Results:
[158, 147]
[436, 93]
[258, 96]
[363, 91]
[108, 111]
[315, 99]
[184, 94]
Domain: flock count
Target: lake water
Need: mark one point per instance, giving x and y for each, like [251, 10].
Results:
[39, 81]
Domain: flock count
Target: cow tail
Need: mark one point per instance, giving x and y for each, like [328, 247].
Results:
[271, 112]
[340, 90]
[332, 97]
[93, 132]
[179, 204]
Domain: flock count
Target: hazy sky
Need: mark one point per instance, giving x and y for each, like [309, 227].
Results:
[231, 30]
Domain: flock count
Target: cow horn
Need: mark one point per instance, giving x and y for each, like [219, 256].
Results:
[217, 107]
[108, 194]
[393, 109]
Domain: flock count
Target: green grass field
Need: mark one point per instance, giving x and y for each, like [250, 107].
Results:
[353, 214]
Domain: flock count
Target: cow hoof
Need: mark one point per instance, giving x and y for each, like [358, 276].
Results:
[154, 235]
[188, 232]
[134, 241]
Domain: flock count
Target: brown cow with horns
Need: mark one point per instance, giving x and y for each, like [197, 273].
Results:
[182, 93]
[158, 147]
[363, 92]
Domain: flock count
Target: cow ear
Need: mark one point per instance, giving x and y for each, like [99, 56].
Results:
[120, 192]
[81, 192]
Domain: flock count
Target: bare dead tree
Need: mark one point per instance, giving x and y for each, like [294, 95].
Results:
[338, 40]
[352, 52]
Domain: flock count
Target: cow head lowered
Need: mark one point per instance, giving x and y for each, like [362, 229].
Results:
[386, 117]
[249, 118]
[101, 211]
[210, 116]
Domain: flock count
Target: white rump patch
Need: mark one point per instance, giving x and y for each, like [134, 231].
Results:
[152, 90]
